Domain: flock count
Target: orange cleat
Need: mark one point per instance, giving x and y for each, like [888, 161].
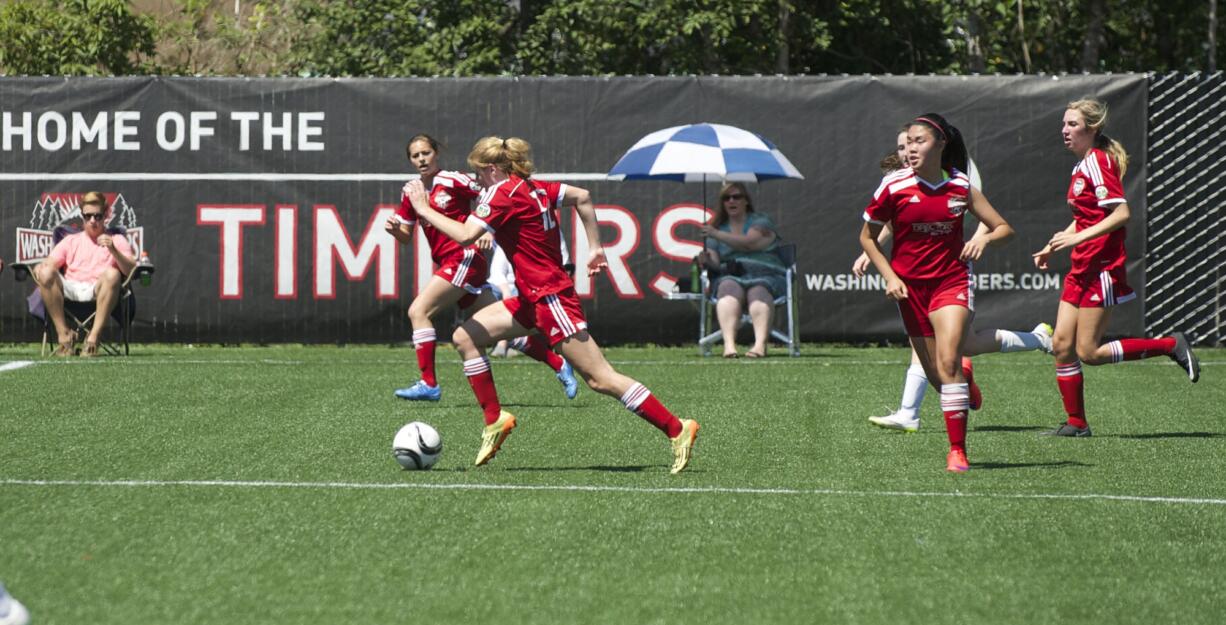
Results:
[956, 461]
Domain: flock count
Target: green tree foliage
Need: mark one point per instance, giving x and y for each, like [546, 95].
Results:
[668, 37]
[74, 37]
[601, 37]
[405, 37]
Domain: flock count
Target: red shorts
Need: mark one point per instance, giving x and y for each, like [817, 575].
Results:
[469, 271]
[925, 296]
[1099, 290]
[555, 316]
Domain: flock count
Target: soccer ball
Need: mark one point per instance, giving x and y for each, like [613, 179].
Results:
[417, 446]
[11, 610]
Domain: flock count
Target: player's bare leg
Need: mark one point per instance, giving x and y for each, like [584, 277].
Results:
[434, 297]
[1069, 377]
[950, 324]
[486, 327]
[589, 362]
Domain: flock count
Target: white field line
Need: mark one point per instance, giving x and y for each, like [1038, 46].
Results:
[679, 490]
[704, 362]
[256, 176]
[14, 365]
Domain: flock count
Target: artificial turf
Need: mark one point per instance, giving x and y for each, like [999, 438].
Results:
[260, 488]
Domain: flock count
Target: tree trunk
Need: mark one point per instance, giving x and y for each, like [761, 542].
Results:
[1095, 37]
[975, 61]
[528, 9]
[782, 52]
[1021, 34]
[1212, 66]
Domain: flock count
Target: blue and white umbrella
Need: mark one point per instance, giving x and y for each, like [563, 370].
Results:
[701, 152]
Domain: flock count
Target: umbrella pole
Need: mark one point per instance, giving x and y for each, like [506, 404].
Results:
[704, 208]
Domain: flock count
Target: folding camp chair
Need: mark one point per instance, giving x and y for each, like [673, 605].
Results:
[81, 315]
[785, 328]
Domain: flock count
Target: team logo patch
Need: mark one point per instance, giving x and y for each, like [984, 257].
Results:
[957, 206]
[442, 199]
[1078, 186]
[483, 210]
[1100, 192]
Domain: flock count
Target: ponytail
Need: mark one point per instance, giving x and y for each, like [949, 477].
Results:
[512, 156]
[1114, 149]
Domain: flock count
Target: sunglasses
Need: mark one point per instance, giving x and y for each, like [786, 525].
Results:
[734, 196]
[93, 216]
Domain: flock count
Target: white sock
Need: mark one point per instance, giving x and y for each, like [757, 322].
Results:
[1011, 341]
[913, 390]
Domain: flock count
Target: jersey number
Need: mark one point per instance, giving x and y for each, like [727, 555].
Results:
[546, 214]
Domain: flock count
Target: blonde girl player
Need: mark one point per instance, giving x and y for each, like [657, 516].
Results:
[915, 384]
[461, 274]
[1097, 280]
[523, 216]
[928, 274]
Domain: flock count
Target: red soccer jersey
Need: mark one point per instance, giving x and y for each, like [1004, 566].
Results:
[927, 223]
[1092, 194]
[523, 215]
[451, 195]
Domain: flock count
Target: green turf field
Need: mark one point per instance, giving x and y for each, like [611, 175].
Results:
[256, 485]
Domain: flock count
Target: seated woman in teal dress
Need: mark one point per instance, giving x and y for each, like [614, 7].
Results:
[739, 234]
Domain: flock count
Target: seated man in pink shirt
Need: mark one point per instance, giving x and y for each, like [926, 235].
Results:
[94, 264]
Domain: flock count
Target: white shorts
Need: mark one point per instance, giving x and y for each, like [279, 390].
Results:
[78, 291]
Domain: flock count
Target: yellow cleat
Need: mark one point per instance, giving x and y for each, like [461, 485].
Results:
[493, 436]
[683, 444]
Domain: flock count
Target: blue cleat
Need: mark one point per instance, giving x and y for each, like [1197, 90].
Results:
[420, 392]
[567, 377]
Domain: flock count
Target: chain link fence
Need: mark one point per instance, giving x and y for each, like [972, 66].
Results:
[1185, 263]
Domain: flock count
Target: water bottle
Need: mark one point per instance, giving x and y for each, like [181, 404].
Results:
[694, 271]
[144, 269]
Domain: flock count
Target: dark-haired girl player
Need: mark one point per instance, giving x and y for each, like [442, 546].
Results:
[928, 274]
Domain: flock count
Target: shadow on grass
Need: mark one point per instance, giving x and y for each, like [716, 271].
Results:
[778, 353]
[1152, 435]
[1009, 428]
[534, 405]
[621, 469]
[1028, 465]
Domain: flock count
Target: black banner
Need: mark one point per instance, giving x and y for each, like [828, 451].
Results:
[261, 201]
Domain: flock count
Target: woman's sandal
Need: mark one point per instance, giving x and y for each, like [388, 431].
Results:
[732, 355]
[89, 350]
[753, 354]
